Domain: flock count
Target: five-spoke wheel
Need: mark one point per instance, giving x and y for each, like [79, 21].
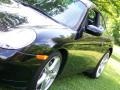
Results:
[47, 72]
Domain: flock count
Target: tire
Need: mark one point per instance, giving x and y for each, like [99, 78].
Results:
[97, 71]
[101, 65]
[46, 73]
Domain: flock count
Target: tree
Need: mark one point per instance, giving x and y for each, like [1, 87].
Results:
[111, 10]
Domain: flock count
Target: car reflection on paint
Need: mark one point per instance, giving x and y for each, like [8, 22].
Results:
[37, 37]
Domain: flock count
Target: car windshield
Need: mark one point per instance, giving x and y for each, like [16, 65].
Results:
[67, 12]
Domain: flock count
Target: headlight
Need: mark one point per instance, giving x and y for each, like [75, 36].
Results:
[17, 38]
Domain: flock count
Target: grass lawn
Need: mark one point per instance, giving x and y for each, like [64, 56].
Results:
[73, 79]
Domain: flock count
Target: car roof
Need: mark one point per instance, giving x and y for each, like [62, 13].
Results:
[88, 3]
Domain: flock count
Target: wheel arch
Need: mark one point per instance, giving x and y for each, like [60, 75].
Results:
[64, 54]
[111, 50]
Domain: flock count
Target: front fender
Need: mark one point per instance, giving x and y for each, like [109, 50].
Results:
[49, 40]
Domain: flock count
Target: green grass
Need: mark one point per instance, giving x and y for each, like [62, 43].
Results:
[116, 53]
[73, 79]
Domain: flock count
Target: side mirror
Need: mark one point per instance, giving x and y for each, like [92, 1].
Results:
[96, 31]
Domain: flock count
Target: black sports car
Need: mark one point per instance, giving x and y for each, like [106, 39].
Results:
[42, 33]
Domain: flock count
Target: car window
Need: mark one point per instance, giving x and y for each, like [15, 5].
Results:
[67, 12]
[71, 15]
[91, 14]
[101, 22]
[95, 18]
[92, 17]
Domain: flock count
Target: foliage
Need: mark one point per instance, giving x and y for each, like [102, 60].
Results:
[116, 32]
[111, 11]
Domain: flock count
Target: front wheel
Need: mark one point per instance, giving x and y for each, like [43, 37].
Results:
[47, 73]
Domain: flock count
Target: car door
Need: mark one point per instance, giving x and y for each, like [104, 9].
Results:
[94, 46]
[88, 49]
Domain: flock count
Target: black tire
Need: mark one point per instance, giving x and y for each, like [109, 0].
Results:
[101, 65]
[43, 69]
[97, 71]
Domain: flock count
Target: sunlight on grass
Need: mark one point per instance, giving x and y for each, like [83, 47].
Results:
[113, 70]
[115, 65]
[116, 52]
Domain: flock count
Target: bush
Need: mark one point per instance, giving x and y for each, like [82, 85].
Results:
[116, 32]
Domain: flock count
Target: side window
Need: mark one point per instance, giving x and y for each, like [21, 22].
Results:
[101, 22]
[91, 18]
